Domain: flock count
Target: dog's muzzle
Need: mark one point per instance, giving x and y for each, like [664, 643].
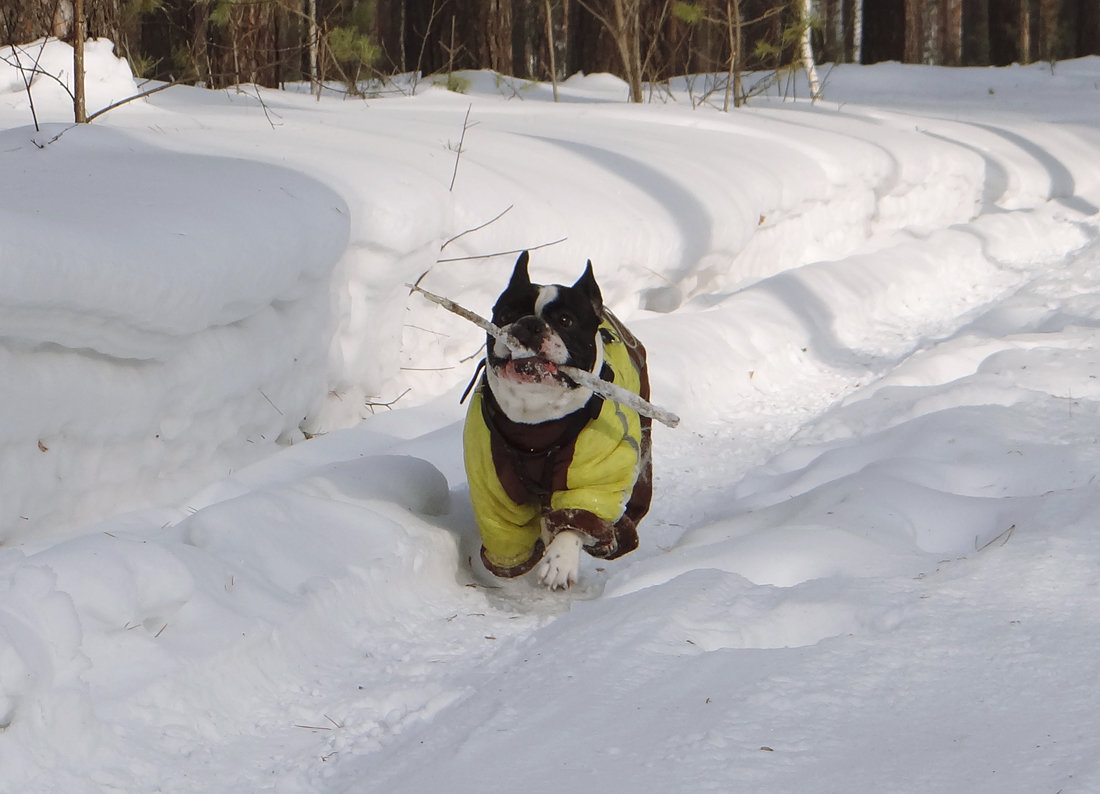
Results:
[534, 364]
[530, 369]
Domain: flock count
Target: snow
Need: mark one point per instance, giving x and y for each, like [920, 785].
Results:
[236, 551]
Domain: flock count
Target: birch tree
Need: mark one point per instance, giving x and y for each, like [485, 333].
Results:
[807, 50]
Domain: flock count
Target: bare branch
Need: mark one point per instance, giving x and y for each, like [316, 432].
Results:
[502, 253]
[458, 151]
[1004, 537]
[372, 404]
[477, 228]
[26, 82]
[142, 95]
[37, 70]
[424, 41]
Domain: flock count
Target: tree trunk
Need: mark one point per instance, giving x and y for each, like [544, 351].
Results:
[550, 47]
[733, 76]
[857, 31]
[499, 24]
[634, 22]
[1049, 45]
[557, 35]
[934, 31]
[101, 19]
[314, 41]
[23, 21]
[402, 31]
[528, 30]
[807, 51]
[628, 35]
[914, 30]
[564, 42]
[1088, 28]
[80, 111]
[953, 32]
[248, 54]
[833, 30]
[1025, 32]
[976, 41]
[885, 32]
[622, 22]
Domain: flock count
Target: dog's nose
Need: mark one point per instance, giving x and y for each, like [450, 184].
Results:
[528, 331]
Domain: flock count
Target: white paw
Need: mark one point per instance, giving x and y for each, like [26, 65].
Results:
[562, 561]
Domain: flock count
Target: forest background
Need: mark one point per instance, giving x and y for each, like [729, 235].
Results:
[218, 43]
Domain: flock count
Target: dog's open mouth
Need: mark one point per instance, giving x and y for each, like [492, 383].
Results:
[530, 370]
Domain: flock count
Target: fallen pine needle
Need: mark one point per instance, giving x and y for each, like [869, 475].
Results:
[581, 377]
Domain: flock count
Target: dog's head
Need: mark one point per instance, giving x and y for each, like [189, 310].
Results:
[555, 325]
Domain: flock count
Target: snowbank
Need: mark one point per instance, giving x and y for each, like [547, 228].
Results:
[48, 66]
[163, 314]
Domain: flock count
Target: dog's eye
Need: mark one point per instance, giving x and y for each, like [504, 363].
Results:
[565, 320]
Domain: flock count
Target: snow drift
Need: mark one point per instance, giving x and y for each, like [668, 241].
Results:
[152, 324]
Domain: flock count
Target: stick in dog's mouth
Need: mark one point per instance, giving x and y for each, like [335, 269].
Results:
[579, 376]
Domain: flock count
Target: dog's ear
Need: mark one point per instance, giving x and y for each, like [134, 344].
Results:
[519, 275]
[588, 287]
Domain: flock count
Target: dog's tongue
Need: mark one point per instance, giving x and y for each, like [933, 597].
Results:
[529, 369]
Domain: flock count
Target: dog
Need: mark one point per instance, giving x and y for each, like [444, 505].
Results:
[553, 467]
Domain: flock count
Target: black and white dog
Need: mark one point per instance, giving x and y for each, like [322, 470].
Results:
[553, 467]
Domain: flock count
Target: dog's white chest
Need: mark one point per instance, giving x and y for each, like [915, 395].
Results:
[534, 402]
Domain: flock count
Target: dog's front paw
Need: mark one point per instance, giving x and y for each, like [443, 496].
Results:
[562, 561]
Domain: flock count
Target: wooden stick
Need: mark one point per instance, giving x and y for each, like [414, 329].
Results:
[510, 341]
[583, 378]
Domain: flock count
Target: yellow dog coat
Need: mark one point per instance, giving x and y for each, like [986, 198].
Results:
[589, 471]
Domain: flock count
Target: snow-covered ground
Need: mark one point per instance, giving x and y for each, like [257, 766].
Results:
[872, 562]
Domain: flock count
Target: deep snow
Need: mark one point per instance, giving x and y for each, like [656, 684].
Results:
[871, 564]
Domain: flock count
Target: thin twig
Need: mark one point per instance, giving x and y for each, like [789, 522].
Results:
[502, 253]
[54, 139]
[436, 10]
[33, 70]
[263, 105]
[37, 70]
[458, 152]
[477, 228]
[26, 83]
[1004, 537]
[390, 404]
[582, 377]
[269, 402]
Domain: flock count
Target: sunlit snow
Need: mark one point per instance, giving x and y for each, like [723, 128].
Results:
[236, 553]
